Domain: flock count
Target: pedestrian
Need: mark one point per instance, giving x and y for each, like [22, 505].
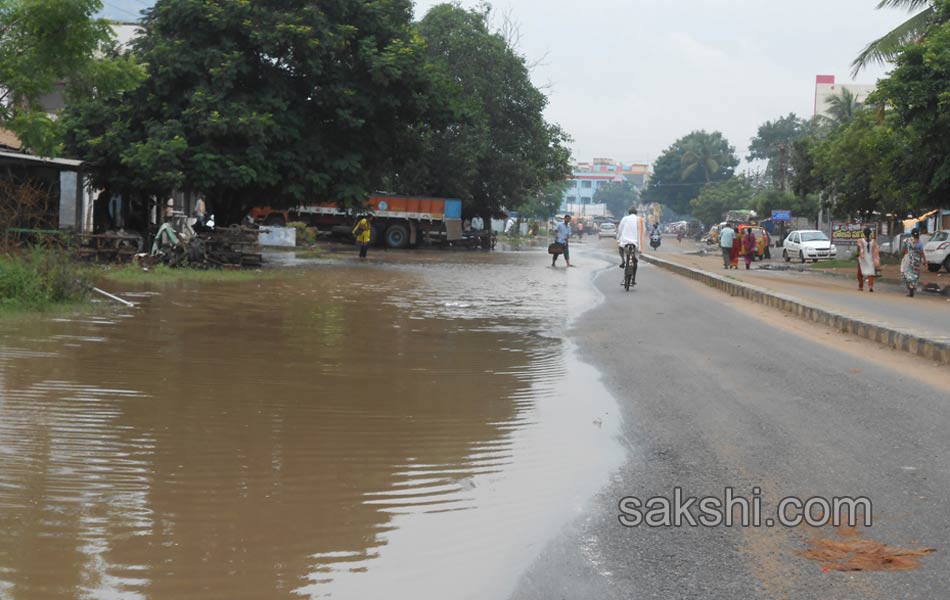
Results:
[748, 247]
[869, 260]
[562, 235]
[768, 243]
[510, 225]
[364, 233]
[913, 252]
[726, 237]
[580, 230]
[679, 235]
[734, 253]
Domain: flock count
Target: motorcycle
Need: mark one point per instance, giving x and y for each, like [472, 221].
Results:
[654, 240]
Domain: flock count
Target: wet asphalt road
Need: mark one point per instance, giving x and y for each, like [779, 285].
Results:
[710, 397]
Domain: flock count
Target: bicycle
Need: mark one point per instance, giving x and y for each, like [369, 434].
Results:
[630, 266]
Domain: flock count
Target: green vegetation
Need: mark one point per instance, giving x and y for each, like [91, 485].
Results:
[306, 235]
[485, 139]
[281, 103]
[617, 196]
[50, 44]
[39, 280]
[836, 263]
[163, 274]
[692, 162]
[887, 47]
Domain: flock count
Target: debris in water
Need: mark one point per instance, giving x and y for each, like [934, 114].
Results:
[852, 552]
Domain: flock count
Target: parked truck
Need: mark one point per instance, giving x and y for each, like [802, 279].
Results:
[400, 221]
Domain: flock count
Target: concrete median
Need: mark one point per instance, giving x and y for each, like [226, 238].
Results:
[934, 348]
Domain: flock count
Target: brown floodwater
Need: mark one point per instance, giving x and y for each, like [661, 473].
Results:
[414, 427]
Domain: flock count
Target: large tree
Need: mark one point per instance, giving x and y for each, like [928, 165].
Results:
[486, 141]
[49, 46]
[618, 196]
[774, 142]
[717, 198]
[917, 96]
[686, 166]
[262, 102]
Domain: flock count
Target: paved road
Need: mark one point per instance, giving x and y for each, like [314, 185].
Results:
[713, 397]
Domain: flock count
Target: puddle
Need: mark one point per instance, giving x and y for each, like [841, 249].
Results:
[407, 429]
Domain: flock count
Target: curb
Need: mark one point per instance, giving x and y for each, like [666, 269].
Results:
[935, 349]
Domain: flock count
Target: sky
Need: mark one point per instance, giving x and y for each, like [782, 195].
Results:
[626, 78]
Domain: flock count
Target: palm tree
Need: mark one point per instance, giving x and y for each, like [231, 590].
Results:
[842, 108]
[701, 153]
[912, 30]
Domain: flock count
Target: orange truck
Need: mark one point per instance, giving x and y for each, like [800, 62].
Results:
[400, 221]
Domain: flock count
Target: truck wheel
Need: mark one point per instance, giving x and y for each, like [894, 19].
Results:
[397, 236]
[275, 220]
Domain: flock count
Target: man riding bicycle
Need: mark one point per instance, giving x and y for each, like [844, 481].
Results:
[630, 231]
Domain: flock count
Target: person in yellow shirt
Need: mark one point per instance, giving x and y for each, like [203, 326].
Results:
[364, 234]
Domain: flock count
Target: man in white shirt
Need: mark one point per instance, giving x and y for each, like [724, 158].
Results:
[477, 224]
[630, 231]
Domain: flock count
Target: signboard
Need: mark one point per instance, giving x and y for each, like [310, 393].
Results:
[843, 232]
[781, 215]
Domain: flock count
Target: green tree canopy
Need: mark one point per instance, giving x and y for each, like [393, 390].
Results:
[687, 166]
[618, 196]
[774, 142]
[546, 203]
[842, 108]
[48, 46]
[854, 166]
[914, 29]
[486, 141]
[719, 197]
[917, 96]
[261, 102]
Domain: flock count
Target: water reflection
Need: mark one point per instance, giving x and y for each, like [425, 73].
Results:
[334, 433]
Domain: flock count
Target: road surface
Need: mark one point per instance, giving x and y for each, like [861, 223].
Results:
[716, 392]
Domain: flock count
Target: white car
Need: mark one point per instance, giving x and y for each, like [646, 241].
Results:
[808, 244]
[937, 251]
[607, 230]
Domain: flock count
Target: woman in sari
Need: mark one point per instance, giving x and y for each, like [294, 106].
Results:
[736, 250]
[913, 250]
[748, 246]
[869, 260]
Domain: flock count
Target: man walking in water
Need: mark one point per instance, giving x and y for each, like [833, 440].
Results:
[630, 231]
[561, 235]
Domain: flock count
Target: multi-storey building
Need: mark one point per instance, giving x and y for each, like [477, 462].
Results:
[587, 178]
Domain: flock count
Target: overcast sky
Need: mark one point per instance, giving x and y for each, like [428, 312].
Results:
[626, 78]
[629, 77]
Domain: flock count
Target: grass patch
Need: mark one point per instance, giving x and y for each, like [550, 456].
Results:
[164, 274]
[310, 253]
[39, 280]
[837, 263]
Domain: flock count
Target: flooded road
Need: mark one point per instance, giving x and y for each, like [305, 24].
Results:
[414, 427]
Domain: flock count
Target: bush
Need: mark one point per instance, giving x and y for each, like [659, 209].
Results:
[39, 278]
[306, 236]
